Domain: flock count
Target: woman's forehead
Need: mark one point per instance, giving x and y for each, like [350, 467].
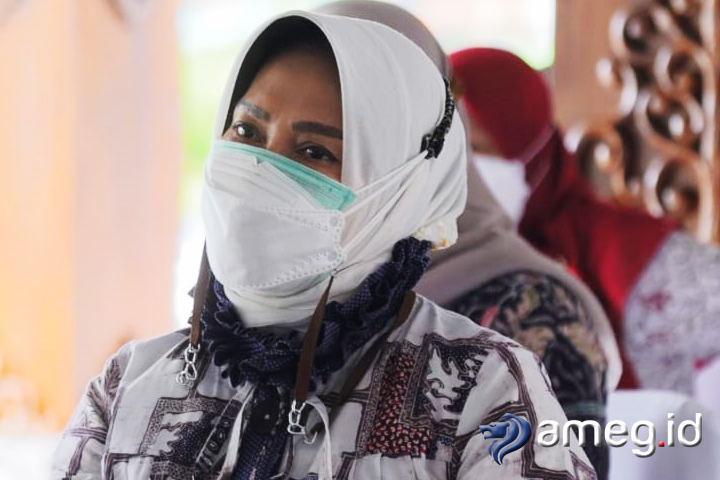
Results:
[298, 77]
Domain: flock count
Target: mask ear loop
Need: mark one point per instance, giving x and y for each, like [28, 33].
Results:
[189, 373]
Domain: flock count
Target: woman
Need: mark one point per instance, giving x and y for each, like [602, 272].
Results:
[497, 280]
[335, 168]
[657, 283]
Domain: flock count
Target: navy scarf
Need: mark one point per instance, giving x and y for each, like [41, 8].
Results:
[270, 361]
[253, 355]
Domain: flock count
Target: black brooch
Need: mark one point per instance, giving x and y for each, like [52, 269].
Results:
[433, 142]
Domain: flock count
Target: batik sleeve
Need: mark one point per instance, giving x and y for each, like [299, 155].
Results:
[545, 317]
[79, 454]
[498, 430]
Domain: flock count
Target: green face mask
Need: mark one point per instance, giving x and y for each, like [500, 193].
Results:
[327, 192]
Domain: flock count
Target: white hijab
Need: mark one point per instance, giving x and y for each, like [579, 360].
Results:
[392, 95]
[488, 246]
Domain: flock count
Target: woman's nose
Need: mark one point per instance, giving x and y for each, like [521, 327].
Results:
[280, 141]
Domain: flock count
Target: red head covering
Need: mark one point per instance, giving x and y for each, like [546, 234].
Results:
[607, 245]
[505, 97]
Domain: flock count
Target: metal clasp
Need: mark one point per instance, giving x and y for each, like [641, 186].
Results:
[189, 373]
[295, 427]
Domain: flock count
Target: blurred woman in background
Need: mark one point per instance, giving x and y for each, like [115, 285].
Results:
[657, 283]
[498, 280]
[309, 355]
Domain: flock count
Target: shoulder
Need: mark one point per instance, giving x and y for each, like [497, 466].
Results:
[433, 324]
[440, 365]
[428, 317]
[443, 339]
[458, 376]
[537, 310]
[533, 290]
[479, 367]
[136, 356]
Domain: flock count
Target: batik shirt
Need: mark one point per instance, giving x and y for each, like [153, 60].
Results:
[546, 317]
[416, 414]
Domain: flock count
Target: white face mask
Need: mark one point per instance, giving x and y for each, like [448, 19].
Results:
[506, 181]
[274, 227]
[265, 227]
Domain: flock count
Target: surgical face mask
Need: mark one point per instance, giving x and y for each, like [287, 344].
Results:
[271, 223]
[506, 181]
[326, 192]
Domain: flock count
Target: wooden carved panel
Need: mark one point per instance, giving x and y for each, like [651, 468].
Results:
[660, 152]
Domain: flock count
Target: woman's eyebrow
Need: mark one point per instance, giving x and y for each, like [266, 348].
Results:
[254, 110]
[319, 128]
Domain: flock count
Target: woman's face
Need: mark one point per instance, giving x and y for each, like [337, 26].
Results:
[294, 108]
[480, 142]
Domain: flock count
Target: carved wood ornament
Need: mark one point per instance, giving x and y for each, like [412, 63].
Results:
[661, 150]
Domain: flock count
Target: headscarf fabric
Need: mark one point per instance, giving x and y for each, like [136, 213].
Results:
[392, 96]
[607, 245]
[396, 18]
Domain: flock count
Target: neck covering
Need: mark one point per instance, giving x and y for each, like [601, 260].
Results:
[392, 96]
[607, 245]
[258, 356]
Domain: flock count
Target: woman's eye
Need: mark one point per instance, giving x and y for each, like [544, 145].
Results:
[245, 131]
[319, 153]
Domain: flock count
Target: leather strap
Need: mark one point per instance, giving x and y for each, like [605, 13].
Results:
[361, 368]
[199, 295]
[363, 365]
[307, 354]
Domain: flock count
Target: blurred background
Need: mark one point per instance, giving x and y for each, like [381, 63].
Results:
[106, 111]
